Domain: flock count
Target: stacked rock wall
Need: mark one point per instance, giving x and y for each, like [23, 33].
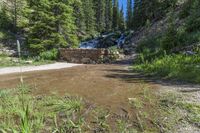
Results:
[84, 55]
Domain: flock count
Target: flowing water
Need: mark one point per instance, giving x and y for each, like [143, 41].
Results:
[96, 43]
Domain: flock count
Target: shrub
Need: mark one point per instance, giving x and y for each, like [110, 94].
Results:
[169, 39]
[151, 43]
[49, 55]
[179, 67]
[149, 49]
[5, 22]
[185, 11]
[193, 21]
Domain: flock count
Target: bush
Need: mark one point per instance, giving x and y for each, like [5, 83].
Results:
[190, 11]
[185, 11]
[5, 22]
[169, 39]
[49, 55]
[149, 49]
[179, 67]
[151, 43]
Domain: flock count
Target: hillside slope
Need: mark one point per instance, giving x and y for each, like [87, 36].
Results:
[169, 48]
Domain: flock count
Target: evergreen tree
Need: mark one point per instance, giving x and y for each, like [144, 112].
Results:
[89, 15]
[51, 25]
[136, 13]
[108, 15]
[145, 10]
[129, 16]
[14, 10]
[121, 20]
[99, 6]
[115, 21]
[79, 18]
[193, 21]
[5, 21]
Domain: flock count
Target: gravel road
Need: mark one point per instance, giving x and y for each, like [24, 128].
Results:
[9, 70]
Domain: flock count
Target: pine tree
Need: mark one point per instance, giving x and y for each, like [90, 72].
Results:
[99, 6]
[5, 20]
[121, 20]
[51, 25]
[193, 21]
[136, 14]
[115, 20]
[79, 18]
[89, 15]
[108, 15]
[14, 9]
[147, 11]
[129, 16]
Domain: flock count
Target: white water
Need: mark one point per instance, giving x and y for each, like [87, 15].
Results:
[94, 43]
[121, 41]
[89, 44]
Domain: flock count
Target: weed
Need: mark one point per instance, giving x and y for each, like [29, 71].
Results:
[101, 117]
[24, 113]
[49, 55]
[193, 110]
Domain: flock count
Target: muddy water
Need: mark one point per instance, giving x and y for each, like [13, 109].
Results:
[105, 85]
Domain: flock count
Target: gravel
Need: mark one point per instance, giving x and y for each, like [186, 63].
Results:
[9, 70]
[191, 94]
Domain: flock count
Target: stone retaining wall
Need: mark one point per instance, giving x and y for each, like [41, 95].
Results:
[85, 56]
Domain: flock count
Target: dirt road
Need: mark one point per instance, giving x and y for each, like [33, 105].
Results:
[105, 85]
[108, 86]
[9, 70]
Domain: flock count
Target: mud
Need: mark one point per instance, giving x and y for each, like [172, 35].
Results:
[109, 86]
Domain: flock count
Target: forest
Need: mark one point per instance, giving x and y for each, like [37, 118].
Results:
[47, 24]
[146, 79]
[158, 31]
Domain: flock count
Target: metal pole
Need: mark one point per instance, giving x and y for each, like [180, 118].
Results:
[19, 56]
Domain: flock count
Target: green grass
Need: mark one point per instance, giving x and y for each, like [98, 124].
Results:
[193, 110]
[163, 112]
[23, 112]
[180, 67]
[6, 61]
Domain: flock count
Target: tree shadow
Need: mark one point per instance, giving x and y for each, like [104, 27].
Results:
[131, 76]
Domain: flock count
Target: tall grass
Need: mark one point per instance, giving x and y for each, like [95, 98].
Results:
[180, 67]
[21, 112]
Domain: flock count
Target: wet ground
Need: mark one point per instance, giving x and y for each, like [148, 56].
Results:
[109, 86]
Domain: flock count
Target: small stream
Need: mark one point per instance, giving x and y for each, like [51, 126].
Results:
[105, 41]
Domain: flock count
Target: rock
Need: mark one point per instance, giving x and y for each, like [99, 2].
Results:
[8, 52]
[29, 62]
[189, 53]
[15, 60]
[86, 60]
